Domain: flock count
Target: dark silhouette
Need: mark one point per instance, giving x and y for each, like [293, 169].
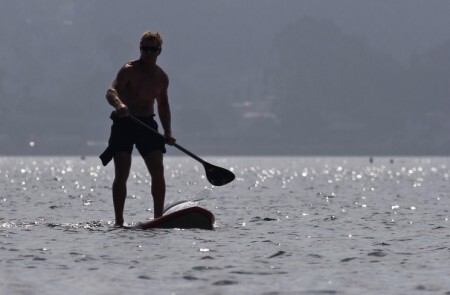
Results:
[134, 91]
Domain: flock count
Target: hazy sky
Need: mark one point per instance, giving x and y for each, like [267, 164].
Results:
[399, 27]
[58, 57]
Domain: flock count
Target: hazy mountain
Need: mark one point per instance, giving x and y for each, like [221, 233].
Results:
[302, 77]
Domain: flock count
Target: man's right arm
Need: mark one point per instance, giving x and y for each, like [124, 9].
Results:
[113, 97]
[112, 94]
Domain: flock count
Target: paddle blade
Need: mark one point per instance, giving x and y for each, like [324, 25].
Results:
[218, 176]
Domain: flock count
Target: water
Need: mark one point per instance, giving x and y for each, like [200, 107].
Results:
[286, 225]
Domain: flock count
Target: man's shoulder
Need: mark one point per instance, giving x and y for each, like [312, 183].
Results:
[128, 68]
[162, 73]
[130, 65]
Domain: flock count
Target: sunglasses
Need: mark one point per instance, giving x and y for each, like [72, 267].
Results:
[150, 48]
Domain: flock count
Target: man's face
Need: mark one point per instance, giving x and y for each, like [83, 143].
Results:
[150, 49]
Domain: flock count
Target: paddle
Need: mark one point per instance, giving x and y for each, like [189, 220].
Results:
[216, 175]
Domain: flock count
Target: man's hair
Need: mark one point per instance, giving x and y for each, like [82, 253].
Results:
[151, 36]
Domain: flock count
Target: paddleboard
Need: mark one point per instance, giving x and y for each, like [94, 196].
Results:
[183, 215]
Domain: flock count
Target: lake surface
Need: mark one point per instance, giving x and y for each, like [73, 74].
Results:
[286, 225]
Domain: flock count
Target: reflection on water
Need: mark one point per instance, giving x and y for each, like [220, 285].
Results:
[286, 225]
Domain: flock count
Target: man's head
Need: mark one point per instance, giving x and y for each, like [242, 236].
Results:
[151, 42]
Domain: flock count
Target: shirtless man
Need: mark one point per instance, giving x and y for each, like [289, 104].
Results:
[137, 85]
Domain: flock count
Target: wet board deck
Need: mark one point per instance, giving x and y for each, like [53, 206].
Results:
[192, 217]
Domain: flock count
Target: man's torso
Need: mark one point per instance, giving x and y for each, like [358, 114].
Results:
[144, 85]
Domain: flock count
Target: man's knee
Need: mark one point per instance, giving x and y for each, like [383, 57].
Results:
[157, 171]
[122, 164]
[120, 179]
[154, 163]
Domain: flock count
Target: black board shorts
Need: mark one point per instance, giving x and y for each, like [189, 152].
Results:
[125, 133]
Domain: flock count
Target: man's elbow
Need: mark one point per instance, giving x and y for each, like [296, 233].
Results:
[163, 108]
[110, 92]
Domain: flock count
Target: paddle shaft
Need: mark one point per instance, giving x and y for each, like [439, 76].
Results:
[175, 144]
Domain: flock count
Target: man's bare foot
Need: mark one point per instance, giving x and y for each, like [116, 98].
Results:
[119, 223]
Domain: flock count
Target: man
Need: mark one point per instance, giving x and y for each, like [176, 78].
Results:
[137, 85]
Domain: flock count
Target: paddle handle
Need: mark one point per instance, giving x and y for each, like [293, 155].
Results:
[189, 153]
[184, 150]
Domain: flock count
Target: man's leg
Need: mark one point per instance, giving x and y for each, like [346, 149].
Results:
[122, 164]
[155, 166]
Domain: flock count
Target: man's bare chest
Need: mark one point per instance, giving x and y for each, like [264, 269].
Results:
[145, 85]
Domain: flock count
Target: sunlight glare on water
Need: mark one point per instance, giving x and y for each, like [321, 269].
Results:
[286, 225]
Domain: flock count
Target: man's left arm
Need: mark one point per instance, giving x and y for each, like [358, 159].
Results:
[164, 114]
